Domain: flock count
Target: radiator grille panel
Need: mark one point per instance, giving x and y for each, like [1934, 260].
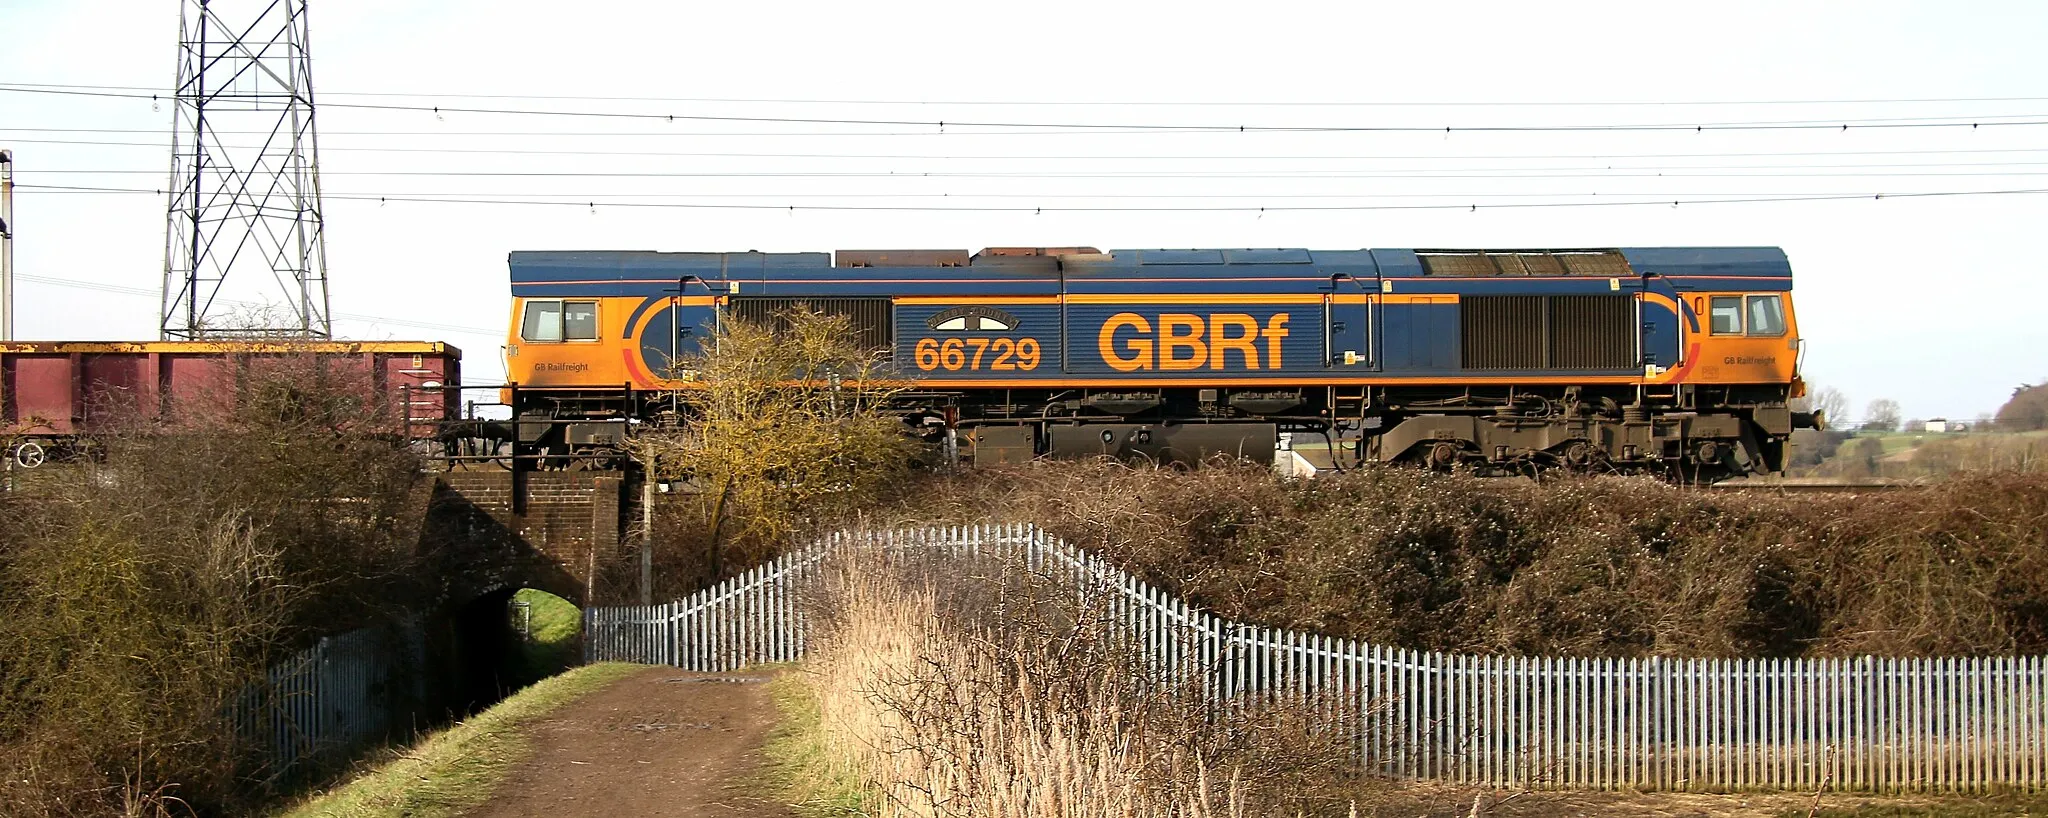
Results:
[1611, 265]
[1471, 263]
[873, 318]
[1502, 331]
[1536, 265]
[1465, 264]
[1582, 332]
[1592, 332]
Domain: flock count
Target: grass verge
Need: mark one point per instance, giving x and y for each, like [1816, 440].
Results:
[1991, 806]
[455, 770]
[553, 646]
[801, 770]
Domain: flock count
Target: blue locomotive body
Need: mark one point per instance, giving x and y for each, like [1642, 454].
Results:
[1503, 356]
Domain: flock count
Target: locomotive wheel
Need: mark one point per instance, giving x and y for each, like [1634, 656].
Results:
[1578, 455]
[30, 454]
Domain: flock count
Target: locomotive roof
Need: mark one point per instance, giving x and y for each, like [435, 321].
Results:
[1765, 267]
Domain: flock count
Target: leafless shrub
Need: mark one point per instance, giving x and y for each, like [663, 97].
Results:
[143, 589]
[1613, 567]
[784, 427]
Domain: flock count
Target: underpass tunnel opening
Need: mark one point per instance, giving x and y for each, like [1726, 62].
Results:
[511, 638]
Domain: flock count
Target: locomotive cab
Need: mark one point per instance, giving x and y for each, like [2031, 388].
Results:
[1747, 337]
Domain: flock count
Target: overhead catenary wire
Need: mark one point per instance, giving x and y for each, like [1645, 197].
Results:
[583, 197]
[1156, 102]
[478, 134]
[1476, 174]
[999, 157]
[1970, 122]
[1631, 202]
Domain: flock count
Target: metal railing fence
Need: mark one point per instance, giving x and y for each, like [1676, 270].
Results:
[344, 691]
[1868, 723]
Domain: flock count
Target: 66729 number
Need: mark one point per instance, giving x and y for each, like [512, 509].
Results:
[974, 354]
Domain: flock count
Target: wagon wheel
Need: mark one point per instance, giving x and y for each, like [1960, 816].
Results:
[473, 453]
[589, 458]
[30, 454]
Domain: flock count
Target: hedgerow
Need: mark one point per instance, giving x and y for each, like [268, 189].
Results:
[1595, 566]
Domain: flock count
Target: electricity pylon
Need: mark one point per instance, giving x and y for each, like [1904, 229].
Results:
[244, 226]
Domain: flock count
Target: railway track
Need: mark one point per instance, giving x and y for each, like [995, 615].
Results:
[1312, 459]
[1814, 486]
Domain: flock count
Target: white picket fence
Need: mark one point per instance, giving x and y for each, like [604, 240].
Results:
[1876, 724]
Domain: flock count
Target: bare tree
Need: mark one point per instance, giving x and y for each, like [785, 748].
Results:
[783, 426]
[1830, 403]
[1882, 416]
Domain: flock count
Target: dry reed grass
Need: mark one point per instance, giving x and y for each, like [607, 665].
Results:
[984, 692]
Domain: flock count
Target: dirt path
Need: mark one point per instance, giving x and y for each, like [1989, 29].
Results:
[667, 743]
[658, 743]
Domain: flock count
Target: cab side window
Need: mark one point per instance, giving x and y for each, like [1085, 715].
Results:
[1726, 315]
[543, 321]
[579, 320]
[550, 321]
[1766, 315]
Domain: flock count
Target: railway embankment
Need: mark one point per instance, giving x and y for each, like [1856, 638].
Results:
[982, 670]
[1583, 567]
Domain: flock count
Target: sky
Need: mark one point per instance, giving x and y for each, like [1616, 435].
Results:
[1933, 301]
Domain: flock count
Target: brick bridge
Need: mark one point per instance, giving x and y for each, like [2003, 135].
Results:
[554, 531]
[494, 532]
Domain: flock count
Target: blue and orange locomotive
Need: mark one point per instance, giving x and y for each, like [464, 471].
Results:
[1679, 361]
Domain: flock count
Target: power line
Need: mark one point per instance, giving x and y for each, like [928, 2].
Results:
[640, 134]
[1600, 170]
[1020, 157]
[946, 135]
[1830, 125]
[1637, 202]
[584, 198]
[123, 290]
[1119, 103]
[1306, 175]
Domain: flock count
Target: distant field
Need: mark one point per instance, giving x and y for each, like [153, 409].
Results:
[552, 647]
[1923, 454]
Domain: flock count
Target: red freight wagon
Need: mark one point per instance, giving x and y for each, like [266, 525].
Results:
[52, 392]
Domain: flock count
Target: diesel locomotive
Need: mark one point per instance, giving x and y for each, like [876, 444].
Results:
[1677, 361]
